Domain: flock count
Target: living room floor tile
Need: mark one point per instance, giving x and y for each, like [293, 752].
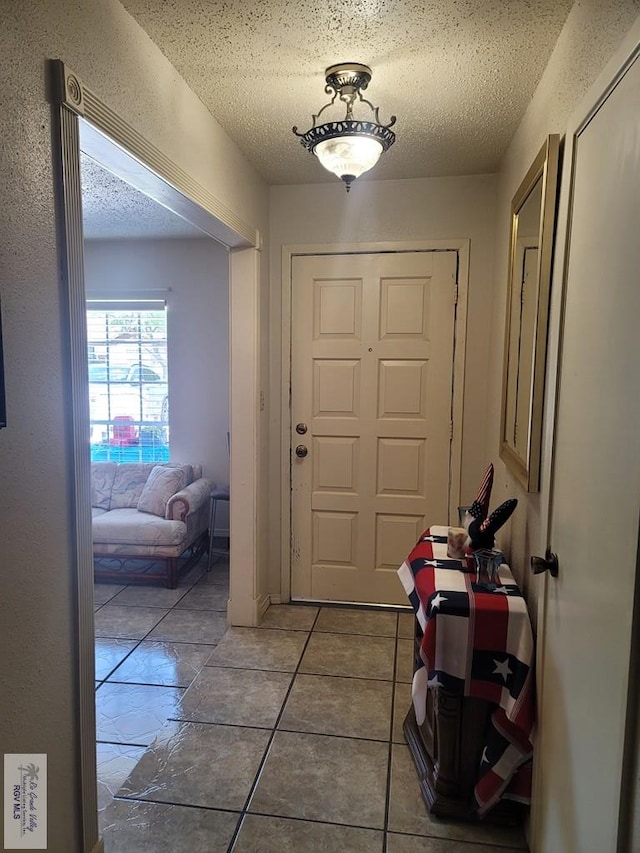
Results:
[351, 707]
[191, 626]
[219, 573]
[349, 655]
[259, 648]
[133, 713]
[205, 596]
[241, 697]
[408, 813]
[280, 835]
[199, 764]
[149, 596]
[342, 620]
[109, 653]
[103, 592]
[336, 780]
[131, 623]
[290, 616]
[139, 827]
[162, 663]
[114, 763]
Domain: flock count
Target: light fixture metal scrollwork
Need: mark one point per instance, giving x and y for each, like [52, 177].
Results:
[348, 147]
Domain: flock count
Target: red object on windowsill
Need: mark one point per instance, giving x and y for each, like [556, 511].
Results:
[124, 432]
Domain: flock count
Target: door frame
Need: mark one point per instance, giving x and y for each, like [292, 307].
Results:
[627, 53]
[460, 246]
[155, 174]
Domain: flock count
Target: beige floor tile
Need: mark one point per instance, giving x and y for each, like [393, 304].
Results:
[109, 653]
[290, 616]
[343, 620]
[114, 763]
[335, 780]
[408, 813]
[404, 661]
[406, 625]
[138, 827]
[351, 707]
[241, 697]
[259, 648]
[205, 596]
[401, 704]
[129, 623]
[279, 835]
[163, 663]
[199, 764]
[191, 626]
[134, 713]
[419, 844]
[349, 655]
[149, 596]
[103, 592]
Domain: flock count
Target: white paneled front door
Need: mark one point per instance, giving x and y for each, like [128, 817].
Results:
[371, 398]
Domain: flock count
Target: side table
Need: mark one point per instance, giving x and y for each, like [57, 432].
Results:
[220, 493]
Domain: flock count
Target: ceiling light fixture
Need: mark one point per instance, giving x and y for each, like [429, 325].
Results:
[348, 147]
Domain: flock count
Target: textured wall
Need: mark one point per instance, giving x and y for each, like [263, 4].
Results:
[117, 61]
[392, 211]
[593, 31]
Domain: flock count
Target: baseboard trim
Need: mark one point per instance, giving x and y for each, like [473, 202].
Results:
[98, 847]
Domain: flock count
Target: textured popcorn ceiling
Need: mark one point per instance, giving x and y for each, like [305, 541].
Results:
[111, 209]
[458, 74]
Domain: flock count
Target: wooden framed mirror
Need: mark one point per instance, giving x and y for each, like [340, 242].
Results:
[533, 212]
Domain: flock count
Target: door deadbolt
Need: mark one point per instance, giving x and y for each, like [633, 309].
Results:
[301, 451]
[301, 428]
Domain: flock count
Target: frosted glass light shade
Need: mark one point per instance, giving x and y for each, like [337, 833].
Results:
[348, 155]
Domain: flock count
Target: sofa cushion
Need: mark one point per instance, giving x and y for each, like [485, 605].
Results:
[102, 477]
[128, 483]
[163, 482]
[130, 527]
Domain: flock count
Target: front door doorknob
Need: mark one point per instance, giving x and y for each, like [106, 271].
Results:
[301, 451]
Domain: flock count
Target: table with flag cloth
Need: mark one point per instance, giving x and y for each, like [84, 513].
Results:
[475, 642]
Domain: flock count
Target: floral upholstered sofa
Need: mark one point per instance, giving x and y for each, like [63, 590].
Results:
[145, 517]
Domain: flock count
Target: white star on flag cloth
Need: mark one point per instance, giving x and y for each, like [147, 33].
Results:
[484, 755]
[434, 682]
[502, 668]
[437, 600]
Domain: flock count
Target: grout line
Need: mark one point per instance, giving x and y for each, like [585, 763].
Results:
[387, 799]
[119, 743]
[256, 780]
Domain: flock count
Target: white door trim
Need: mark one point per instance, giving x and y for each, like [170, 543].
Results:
[460, 246]
[597, 94]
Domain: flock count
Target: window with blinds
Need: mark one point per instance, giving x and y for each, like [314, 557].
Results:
[128, 381]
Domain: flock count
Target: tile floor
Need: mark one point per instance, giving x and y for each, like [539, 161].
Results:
[281, 739]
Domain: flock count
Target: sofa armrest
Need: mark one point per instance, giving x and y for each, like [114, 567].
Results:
[189, 500]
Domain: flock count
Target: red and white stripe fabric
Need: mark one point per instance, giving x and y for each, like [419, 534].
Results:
[479, 643]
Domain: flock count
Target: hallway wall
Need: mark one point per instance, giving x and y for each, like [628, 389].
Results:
[592, 32]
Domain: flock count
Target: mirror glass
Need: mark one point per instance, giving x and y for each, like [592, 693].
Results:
[530, 257]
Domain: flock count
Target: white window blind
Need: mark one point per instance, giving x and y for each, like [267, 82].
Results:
[128, 380]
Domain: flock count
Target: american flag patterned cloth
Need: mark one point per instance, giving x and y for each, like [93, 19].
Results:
[477, 643]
